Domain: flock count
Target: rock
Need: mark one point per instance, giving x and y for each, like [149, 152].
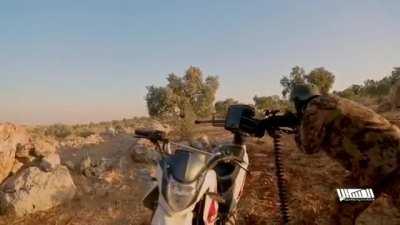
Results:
[43, 147]
[11, 136]
[25, 154]
[70, 165]
[85, 165]
[201, 143]
[94, 139]
[111, 176]
[143, 151]
[110, 131]
[16, 167]
[94, 168]
[86, 188]
[33, 190]
[24, 151]
[79, 142]
[50, 162]
[98, 167]
[155, 125]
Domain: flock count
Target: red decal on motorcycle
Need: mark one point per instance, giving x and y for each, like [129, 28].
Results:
[212, 212]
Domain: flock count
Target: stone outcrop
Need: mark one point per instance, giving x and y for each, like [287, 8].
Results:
[31, 177]
[34, 190]
[11, 138]
[143, 151]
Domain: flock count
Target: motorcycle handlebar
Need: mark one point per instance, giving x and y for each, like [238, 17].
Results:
[144, 132]
[152, 135]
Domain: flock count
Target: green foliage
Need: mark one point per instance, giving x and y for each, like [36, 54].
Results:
[185, 125]
[273, 102]
[351, 92]
[190, 93]
[395, 98]
[372, 88]
[60, 131]
[158, 102]
[321, 78]
[83, 132]
[297, 75]
[221, 107]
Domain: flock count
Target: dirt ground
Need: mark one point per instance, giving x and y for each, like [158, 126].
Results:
[114, 198]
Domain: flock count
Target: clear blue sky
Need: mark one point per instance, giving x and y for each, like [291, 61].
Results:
[90, 60]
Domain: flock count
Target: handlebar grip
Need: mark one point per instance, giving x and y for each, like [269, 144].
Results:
[144, 132]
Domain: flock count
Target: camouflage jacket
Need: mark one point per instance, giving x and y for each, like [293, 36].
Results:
[361, 140]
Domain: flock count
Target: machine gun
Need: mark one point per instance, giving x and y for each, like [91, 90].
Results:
[241, 121]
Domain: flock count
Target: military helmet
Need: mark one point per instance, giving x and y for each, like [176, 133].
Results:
[303, 92]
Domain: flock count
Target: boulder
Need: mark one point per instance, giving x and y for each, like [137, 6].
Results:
[34, 190]
[11, 136]
[94, 139]
[50, 162]
[24, 150]
[24, 154]
[70, 165]
[143, 151]
[43, 147]
[16, 167]
[155, 125]
[202, 142]
[94, 168]
[85, 165]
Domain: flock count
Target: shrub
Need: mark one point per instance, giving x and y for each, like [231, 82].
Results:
[84, 132]
[60, 131]
[190, 89]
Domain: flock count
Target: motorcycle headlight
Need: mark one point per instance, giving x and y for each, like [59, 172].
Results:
[179, 195]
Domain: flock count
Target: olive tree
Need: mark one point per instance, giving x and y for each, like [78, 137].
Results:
[321, 78]
[190, 92]
[221, 107]
[297, 75]
[273, 102]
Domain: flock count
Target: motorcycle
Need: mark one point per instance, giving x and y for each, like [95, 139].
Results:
[197, 187]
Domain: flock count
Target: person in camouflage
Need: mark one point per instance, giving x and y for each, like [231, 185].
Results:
[361, 140]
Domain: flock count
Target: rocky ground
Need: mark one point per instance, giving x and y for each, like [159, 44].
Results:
[109, 187]
[110, 184]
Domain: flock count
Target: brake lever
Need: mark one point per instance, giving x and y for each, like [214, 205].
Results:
[287, 131]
